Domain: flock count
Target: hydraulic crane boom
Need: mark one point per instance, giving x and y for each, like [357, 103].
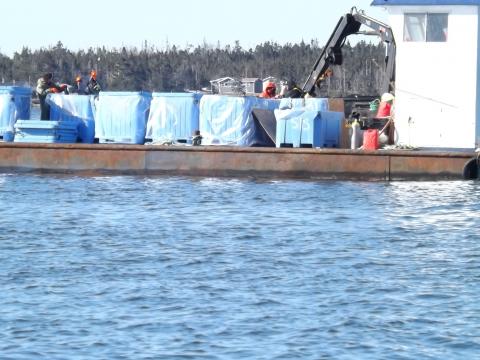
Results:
[350, 24]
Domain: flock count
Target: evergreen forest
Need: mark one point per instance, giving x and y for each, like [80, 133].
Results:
[176, 69]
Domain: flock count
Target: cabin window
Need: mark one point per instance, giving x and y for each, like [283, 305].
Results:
[430, 27]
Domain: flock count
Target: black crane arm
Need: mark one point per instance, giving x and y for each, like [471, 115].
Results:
[331, 54]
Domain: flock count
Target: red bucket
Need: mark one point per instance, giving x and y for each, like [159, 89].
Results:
[370, 139]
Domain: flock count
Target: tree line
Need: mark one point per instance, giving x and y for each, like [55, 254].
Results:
[175, 69]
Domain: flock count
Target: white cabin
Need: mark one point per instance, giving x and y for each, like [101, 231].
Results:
[437, 87]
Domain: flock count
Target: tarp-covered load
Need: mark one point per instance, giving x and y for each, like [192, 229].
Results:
[14, 104]
[307, 128]
[173, 116]
[121, 117]
[76, 108]
[228, 120]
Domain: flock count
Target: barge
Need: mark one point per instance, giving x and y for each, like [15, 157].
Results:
[225, 161]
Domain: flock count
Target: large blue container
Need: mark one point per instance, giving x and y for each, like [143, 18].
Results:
[308, 128]
[227, 120]
[173, 116]
[75, 108]
[45, 131]
[332, 122]
[15, 103]
[121, 117]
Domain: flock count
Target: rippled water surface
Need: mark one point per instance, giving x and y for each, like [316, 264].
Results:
[196, 268]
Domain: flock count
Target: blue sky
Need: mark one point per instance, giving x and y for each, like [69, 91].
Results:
[89, 23]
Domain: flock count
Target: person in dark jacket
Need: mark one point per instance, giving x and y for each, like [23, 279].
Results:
[293, 91]
[93, 87]
[45, 86]
[76, 88]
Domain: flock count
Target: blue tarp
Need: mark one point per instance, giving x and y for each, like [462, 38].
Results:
[14, 104]
[121, 117]
[227, 120]
[173, 116]
[8, 113]
[76, 108]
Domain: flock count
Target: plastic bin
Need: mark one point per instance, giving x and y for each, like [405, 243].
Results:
[173, 116]
[331, 123]
[304, 128]
[45, 131]
[15, 103]
[121, 117]
[291, 126]
[76, 108]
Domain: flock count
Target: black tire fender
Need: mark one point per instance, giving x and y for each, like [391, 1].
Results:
[471, 169]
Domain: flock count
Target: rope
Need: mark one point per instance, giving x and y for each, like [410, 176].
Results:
[385, 127]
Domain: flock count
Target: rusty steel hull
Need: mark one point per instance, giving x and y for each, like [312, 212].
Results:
[233, 161]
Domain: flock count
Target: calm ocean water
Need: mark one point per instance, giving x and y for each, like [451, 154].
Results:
[205, 268]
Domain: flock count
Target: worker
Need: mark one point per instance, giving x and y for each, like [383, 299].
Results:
[45, 86]
[385, 106]
[328, 73]
[76, 88]
[293, 91]
[270, 91]
[93, 88]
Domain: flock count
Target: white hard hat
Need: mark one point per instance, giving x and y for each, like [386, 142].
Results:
[387, 97]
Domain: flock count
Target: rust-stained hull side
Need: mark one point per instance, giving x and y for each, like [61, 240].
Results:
[308, 163]
[428, 165]
[72, 157]
[233, 161]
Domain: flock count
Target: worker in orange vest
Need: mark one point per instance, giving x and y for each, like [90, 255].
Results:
[270, 91]
[93, 87]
